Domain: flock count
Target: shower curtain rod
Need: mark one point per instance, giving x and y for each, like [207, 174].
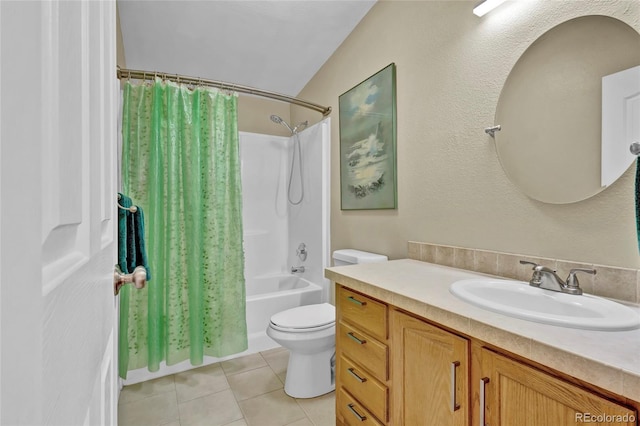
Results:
[151, 75]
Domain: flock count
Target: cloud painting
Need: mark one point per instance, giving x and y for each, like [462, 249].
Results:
[367, 143]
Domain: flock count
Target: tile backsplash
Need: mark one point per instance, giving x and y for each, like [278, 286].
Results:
[615, 283]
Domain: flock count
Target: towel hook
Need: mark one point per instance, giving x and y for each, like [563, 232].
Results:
[132, 209]
[491, 131]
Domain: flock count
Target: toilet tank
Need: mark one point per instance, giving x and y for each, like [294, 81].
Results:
[352, 257]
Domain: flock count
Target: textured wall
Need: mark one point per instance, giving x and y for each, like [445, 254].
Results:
[451, 66]
[254, 115]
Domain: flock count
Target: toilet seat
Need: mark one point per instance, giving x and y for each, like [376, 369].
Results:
[301, 330]
[307, 318]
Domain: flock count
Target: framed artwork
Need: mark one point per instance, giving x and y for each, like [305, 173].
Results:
[368, 143]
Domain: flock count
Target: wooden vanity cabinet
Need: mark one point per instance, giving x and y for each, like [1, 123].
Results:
[411, 372]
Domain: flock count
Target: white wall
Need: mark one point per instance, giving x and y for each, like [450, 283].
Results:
[264, 211]
[273, 227]
[309, 221]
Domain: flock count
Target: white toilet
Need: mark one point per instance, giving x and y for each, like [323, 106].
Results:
[309, 332]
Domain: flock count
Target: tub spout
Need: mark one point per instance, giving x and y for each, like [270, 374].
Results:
[297, 269]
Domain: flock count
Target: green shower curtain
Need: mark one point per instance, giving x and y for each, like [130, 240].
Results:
[180, 163]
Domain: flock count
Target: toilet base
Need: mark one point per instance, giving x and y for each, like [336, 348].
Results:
[310, 375]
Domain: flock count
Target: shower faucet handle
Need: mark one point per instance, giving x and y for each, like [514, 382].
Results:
[301, 252]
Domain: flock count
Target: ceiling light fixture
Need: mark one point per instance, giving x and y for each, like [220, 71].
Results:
[486, 6]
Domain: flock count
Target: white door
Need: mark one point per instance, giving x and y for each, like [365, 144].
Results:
[620, 122]
[57, 213]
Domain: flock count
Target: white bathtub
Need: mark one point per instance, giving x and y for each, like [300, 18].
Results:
[268, 295]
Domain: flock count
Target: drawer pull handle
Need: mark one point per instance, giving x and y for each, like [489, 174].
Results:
[356, 301]
[454, 367]
[360, 341]
[483, 398]
[354, 374]
[355, 413]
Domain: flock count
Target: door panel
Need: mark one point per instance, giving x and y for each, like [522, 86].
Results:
[620, 122]
[57, 212]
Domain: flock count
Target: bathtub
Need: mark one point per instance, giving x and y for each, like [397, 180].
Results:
[268, 295]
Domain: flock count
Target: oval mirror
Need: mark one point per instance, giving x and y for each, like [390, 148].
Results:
[550, 108]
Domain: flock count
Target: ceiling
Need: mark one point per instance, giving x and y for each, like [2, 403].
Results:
[271, 45]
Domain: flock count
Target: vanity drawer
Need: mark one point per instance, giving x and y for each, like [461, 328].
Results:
[370, 353]
[364, 387]
[368, 314]
[352, 412]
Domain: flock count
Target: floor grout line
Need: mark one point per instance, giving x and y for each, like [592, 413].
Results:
[177, 402]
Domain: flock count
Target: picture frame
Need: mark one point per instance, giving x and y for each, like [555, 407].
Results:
[368, 175]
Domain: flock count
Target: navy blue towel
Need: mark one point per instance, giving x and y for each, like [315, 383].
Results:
[132, 250]
[136, 247]
[123, 215]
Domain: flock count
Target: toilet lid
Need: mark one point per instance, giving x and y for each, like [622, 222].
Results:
[308, 316]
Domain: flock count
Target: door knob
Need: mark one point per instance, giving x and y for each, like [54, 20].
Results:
[138, 277]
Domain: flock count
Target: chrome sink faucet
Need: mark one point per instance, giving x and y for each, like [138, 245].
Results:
[547, 278]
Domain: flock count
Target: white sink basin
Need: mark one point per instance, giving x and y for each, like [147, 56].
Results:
[520, 300]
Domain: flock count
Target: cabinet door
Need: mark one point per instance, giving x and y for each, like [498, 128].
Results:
[430, 369]
[516, 394]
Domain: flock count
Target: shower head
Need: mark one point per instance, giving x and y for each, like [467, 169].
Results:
[300, 126]
[279, 120]
[276, 119]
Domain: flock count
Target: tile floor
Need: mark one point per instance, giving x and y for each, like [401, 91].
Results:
[245, 391]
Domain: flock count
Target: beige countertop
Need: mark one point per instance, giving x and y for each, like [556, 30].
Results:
[608, 359]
